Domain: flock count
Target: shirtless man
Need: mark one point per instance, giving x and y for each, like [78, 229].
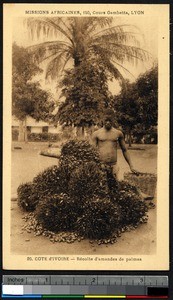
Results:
[106, 140]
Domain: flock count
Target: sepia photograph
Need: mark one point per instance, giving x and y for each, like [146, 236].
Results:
[86, 137]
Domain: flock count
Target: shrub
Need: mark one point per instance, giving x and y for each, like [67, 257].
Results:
[99, 220]
[57, 212]
[27, 196]
[44, 136]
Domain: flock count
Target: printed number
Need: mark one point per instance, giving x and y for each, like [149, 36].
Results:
[29, 258]
[93, 280]
[86, 12]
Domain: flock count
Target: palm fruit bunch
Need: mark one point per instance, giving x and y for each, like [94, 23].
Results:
[125, 185]
[81, 150]
[81, 195]
[74, 153]
[113, 185]
[88, 180]
[99, 220]
[57, 212]
[133, 208]
[27, 197]
[49, 182]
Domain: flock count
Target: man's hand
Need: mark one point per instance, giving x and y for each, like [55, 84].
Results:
[134, 171]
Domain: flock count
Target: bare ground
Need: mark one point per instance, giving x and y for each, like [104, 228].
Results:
[141, 241]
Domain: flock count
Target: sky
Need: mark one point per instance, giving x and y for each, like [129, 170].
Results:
[148, 27]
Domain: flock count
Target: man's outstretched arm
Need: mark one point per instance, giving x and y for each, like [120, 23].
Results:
[126, 153]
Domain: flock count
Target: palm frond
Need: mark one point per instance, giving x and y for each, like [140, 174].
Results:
[66, 59]
[119, 37]
[116, 28]
[36, 26]
[65, 24]
[92, 23]
[102, 22]
[58, 27]
[125, 69]
[44, 44]
[46, 26]
[46, 50]
[106, 59]
[124, 52]
[55, 66]
[85, 38]
[49, 56]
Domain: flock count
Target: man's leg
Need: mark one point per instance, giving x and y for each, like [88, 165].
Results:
[116, 172]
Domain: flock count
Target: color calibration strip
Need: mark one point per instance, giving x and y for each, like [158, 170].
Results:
[83, 297]
[84, 287]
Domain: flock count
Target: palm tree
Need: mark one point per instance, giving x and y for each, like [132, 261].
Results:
[76, 39]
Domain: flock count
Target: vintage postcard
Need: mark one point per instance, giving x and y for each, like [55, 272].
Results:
[86, 137]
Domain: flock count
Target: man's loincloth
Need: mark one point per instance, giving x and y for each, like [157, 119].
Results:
[115, 170]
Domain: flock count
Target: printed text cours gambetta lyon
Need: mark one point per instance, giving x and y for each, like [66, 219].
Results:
[71, 12]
